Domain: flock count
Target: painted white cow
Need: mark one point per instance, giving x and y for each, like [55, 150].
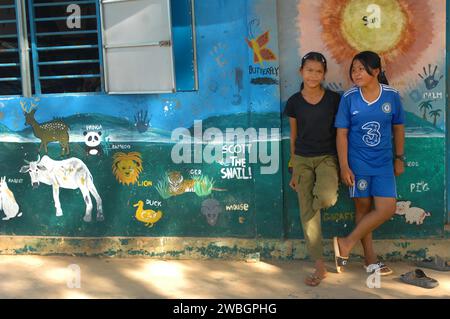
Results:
[412, 214]
[71, 173]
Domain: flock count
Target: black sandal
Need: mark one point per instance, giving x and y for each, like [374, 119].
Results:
[339, 260]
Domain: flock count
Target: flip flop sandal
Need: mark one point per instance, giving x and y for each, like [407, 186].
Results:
[314, 279]
[383, 269]
[339, 261]
[419, 279]
[435, 263]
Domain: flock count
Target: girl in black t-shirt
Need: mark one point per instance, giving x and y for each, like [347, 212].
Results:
[313, 154]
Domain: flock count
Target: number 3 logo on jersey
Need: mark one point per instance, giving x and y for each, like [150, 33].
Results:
[373, 136]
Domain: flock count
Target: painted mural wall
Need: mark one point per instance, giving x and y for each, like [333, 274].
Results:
[134, 165]
[138, 165]
[410, 37]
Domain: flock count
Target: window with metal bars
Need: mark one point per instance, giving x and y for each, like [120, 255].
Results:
[65, 46]
[57, 46]
[10, 77]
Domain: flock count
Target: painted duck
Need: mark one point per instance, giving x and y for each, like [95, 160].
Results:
[147, 216]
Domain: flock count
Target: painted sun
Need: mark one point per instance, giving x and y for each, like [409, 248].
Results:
[401, 31]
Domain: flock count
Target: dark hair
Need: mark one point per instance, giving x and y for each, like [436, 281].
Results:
[313, 56]
[370, 60]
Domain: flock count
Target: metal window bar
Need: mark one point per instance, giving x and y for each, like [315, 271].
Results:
[67, 62]
[8, 21]
[61, 18]
[24, 47]
[10, 79]
[99, 43]
[8, 50]
[63, 3]
[62, 48]
[6, 36]
[73, 76]
[7, 65]
[45, 34]
[11, 64]
[68, 47]
[34, 52]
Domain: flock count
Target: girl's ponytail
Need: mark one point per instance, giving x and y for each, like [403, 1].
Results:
[382, 78]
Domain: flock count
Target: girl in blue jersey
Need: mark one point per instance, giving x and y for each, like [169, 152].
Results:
[370, 115]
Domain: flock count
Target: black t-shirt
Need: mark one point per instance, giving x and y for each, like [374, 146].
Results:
[316, 134]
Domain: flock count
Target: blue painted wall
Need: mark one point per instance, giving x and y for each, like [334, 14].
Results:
[236, 90]
[226, 98]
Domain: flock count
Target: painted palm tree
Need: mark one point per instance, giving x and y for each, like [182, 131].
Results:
[425, 106]
[435, 114]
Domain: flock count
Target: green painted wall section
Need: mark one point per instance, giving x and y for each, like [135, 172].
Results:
[259, 214]
[416, 68]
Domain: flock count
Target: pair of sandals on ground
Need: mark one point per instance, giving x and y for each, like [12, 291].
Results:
[315, 279]
[416, 277]
[341, 262]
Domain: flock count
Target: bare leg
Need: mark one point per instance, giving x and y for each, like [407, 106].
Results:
[319, 274]
[384, 209]
[324, 196]
[363, 207]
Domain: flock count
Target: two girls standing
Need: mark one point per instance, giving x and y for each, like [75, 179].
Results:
[367, 118]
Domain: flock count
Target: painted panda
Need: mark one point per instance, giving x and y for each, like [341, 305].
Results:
[92, 139]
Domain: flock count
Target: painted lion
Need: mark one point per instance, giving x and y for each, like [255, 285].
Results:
[127, 167]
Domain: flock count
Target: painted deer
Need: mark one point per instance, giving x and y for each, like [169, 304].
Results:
[54, 131]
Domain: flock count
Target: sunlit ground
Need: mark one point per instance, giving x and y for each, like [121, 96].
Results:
[80, 278]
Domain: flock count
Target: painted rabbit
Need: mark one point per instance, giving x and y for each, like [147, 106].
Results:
[7, 201]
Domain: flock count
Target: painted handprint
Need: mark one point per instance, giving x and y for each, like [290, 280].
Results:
[141, 122]
[336, 87]
[218, 54]
[413, 92]
[429, 78]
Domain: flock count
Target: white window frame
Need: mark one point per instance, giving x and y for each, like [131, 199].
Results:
[118, 46]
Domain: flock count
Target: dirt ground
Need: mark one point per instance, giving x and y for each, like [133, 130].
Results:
[89, 277]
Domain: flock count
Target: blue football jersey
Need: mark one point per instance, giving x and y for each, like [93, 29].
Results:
[370, 129]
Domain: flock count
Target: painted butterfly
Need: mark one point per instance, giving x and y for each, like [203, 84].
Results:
[261, 53]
